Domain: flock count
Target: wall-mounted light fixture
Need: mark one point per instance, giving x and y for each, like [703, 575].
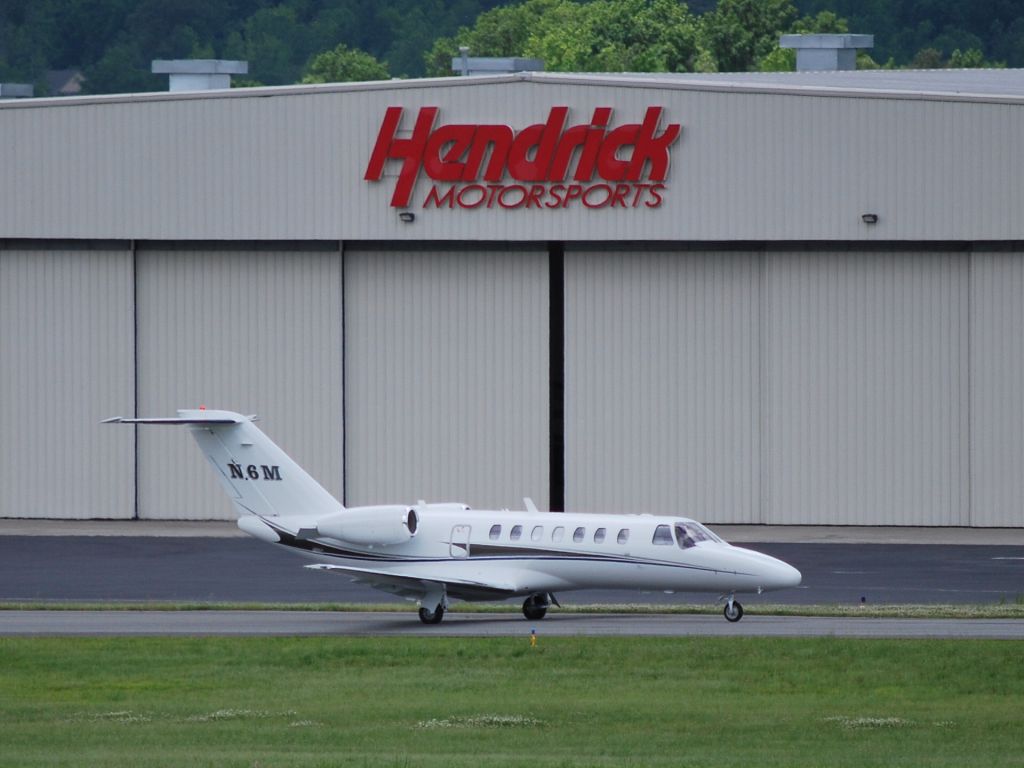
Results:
[407, 216]
[869, 218]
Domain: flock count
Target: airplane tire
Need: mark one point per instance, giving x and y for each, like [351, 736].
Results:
[533, 611]
[735, 614]
[432, 617]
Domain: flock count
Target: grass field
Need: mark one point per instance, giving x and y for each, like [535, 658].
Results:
[488, 702]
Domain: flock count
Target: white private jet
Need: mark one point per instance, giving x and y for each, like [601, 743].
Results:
[434, 552]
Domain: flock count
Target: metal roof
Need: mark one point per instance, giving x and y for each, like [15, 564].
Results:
[985, 85]
[963, 82]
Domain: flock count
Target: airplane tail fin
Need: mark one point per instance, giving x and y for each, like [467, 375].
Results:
[257, 475]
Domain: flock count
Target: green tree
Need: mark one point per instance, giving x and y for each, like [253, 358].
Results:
[598, 36]
[739, 33]
[344, 64]
[619, 36]
[784, 59]
[498, 32]
[927, 58]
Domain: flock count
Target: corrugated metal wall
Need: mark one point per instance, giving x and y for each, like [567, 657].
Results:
[254, 331]
[997, 388]
[767, 386]
[66, 362]
[778, 387]
[662, 383]
[247, 164]
[866, 388]
[446, 376]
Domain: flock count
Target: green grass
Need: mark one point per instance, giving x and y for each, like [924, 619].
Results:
[1003, 610]
[496, 702]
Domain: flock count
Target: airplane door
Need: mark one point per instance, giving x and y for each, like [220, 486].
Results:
[460, 541]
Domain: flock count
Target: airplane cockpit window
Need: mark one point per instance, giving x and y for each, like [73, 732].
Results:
[579, 534]
[623, 536]
[662, 535]
[558, 534]
[537, 533]
[599, 536]
[516, 532]
[495, 533]
[691, 533]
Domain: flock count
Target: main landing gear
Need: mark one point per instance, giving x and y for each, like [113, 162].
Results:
[535, 607]
[428, 616]
[733, 610]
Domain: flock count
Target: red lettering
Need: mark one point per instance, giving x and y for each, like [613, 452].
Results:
[651, 148]
[609, 166]
[541, 138]
[572, 193]
[457, 138]
[439, 201]
[619, 198]
[409, 150]
[543, 152]
[464, 198]
[588, 203]
[592, 143]
[656, 190]
[556, 196]
[499, 139]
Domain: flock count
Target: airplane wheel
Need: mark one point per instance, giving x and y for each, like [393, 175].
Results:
[736, 612]
[532, 610]
[432, 617]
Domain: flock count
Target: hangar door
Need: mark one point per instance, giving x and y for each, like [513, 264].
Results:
[866, 401]
[662, 383]
[997, 388]
[256, 331]
[446, 376]
[65, 364]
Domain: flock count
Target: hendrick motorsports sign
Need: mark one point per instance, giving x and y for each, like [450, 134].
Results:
[545, 166]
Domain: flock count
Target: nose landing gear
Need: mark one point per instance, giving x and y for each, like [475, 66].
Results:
[733, 610]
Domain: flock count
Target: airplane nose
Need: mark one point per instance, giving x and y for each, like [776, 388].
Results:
[788, 576]
[769, 572]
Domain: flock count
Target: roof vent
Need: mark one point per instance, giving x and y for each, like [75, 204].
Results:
[826, 53]
[16, 90]
[483, 65]
[199, 74]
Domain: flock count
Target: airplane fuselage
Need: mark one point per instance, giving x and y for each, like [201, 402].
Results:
[527, 553]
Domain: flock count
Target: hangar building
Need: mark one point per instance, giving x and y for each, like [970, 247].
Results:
[785, 299]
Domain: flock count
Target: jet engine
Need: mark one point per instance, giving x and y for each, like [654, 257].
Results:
[371, 526]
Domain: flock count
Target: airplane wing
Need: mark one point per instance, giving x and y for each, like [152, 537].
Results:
[408, 585]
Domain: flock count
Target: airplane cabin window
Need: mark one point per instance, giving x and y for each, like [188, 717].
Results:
[705, 534]
[684, 536]
[599, 536]
[495, 532]
[516, 532]
[579, 534]
[623, 536]
[558, 534]
[662, 535]
[537, 532]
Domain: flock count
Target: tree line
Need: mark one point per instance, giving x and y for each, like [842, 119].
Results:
[113, 41]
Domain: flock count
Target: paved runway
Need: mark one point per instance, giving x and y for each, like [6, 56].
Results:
[123, 568]
[233, 623]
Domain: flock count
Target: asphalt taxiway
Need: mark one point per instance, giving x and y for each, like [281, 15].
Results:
[211, 563]
[356, 624]
[232, 569]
